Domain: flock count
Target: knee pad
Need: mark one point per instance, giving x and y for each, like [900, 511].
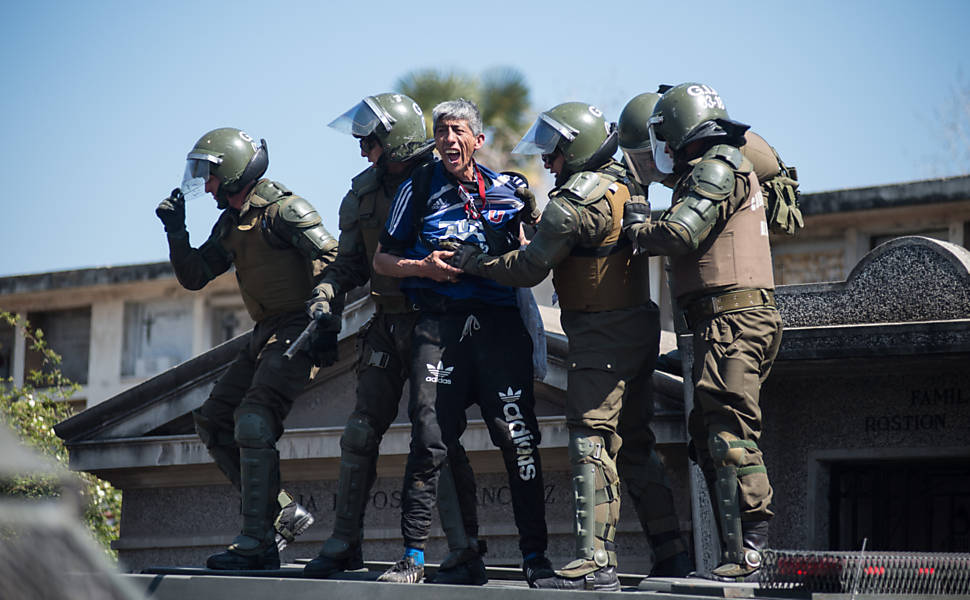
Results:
[210, 433]
[585, 446]
[726, 449]
[255, 428]
[359, 437]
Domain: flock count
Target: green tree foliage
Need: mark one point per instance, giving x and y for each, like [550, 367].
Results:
[32, 410]
[502, 96]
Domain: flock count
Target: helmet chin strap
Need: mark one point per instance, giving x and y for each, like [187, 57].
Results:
[222, 198]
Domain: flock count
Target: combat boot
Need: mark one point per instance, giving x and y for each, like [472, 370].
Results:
[603, 579]
[754, 538]
[292, 520]
[232, 560]
[255, 546]
[406, 570]
[336, 556]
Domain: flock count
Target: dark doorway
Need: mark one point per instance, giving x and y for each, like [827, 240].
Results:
[910, 506]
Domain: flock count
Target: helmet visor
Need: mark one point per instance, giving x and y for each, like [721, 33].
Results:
[197, 170]
[363, 118]
[544, 136]
[664, 162]
[641, 165]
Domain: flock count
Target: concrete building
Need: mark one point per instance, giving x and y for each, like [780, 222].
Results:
[115, 327]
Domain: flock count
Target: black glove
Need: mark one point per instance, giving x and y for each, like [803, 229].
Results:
[172, 212]
[530, 212]
[634, 213]
[322, 346]
[464, 257]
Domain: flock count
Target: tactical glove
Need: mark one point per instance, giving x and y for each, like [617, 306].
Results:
[320, 303]
[465, 257]
[530, 212]
[171, 211]
[322, 346]
[635, 212]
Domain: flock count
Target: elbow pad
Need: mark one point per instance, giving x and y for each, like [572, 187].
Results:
[559, 224]
[710, 183]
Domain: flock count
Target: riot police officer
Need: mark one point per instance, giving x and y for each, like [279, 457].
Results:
[779, 182]
[614, 336]
[716, 237]
[393, 138]
[277, 243]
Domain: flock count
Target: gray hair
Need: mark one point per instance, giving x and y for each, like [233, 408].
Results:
[458, 110]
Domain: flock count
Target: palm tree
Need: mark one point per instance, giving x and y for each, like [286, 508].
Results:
[502, 96]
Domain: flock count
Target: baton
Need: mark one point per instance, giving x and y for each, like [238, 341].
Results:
[300, 341]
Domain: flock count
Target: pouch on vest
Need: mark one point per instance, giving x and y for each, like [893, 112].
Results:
[782, 200]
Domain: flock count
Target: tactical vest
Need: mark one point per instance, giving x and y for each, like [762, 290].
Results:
[734, 256]
[271, 280]
[606, 276]
[374, 204]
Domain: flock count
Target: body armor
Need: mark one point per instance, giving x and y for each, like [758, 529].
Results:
[735, 255]
[272, 280]
[606, 276]
[373, 205]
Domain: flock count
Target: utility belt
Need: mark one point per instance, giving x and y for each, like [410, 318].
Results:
[729, 302]
[393, 305]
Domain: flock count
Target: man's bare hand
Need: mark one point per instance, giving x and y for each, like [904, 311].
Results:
[434, 267]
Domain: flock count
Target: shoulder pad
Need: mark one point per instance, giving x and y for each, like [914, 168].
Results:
[616, 169]
[584, 187]
[267, 192]
[712, 178]
[559, 218]
[366, 181]
[729, 154]
[349, 211]
[298, 223]
[296, 211]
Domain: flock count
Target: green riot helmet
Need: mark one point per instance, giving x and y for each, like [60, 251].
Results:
[230, 154]
[395, 119]
[576, 129]
[689, 112]
[634, 133]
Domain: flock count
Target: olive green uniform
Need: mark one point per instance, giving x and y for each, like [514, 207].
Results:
[276, 270]
[613, 330]
[716, 237]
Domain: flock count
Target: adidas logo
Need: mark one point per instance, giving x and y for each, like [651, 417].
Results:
[520, 434]
[439, 374]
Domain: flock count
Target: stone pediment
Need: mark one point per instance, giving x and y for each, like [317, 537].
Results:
[907, 279]
[909, 296]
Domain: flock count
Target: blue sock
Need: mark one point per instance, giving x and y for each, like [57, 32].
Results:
[531, 555]
[416, 553]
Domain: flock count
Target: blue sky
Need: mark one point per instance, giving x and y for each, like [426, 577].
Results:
[101, 100]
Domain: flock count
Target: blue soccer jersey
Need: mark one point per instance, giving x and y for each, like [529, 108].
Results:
[417, 226]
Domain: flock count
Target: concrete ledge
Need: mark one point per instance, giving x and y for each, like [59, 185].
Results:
[305, 453]
[876, 341]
